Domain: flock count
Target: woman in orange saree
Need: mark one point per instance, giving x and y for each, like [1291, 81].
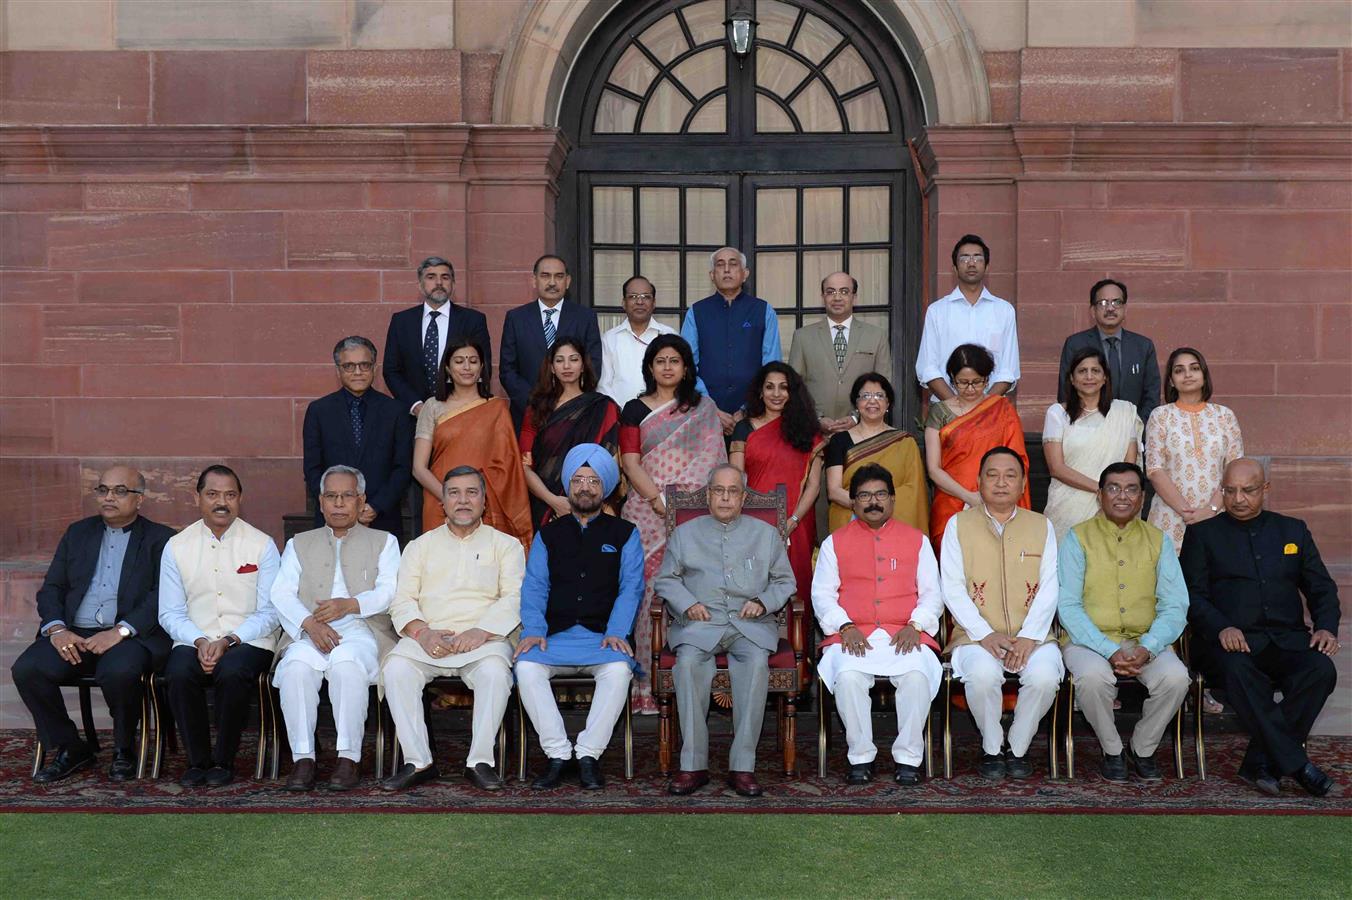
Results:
[464, 425]
[958, 432]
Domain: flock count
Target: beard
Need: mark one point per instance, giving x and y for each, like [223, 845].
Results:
[585, 503]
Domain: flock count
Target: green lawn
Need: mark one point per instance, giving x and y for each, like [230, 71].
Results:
[227, 855]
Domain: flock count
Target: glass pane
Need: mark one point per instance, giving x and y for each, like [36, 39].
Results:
[787, 326]
[817, 264]
[704, 72]
[776, 216]
[659, 215]
[666, 110]
[775, 22]
[705, 21]
[823, 215]
[778, 72]
[770, 116]
[816, 39]
[615, 114]
[869, 267]
[607, 320]
[613, 215]
[672, 320]
[870, 214]
[848, 71]
[712, 117]
[660, 267]
[697, 283]
[706, 216]
[815, 109]
[867, 112]
[610, 270]
[776, 279]
[665, 39]
[633, 71]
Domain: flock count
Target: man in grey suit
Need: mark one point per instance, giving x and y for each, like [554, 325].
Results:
[724, 576]
[1131, 356]
[832, 353]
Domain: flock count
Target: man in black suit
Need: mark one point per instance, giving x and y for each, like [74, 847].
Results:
[531, 329]
[360, 427]
[98, 610]
[1246, 571]
[1131, 356]
[417, 337]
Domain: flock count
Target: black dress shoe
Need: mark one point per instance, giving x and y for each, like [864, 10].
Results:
[123, 767]
[408, 777]
[1261, 779]
[906, 775]
[1114, 768]
[1144, 767]
[194, 777]
[63, 766]
[1313, 779]
[861, 773]
[219, 776]
[589, 773]
[992, 766]
[551, 777]
[484, 777]
[1018, 766]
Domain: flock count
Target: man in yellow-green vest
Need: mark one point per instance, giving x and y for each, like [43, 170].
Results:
[1123, 603]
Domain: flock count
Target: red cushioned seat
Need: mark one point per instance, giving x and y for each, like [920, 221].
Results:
[780, 659]
[1009, 696]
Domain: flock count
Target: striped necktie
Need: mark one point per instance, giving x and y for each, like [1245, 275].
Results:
[550, 331]
[839, 344]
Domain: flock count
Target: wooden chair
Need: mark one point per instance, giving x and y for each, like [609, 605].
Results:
[882, 693]
[86, 685]
[574, 682]
[163, 724]
[451, 684]
[788, 665]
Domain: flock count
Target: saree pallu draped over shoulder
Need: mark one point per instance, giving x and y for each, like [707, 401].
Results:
[963, 441]
[771, 460]
[480, 434]
[897, 452]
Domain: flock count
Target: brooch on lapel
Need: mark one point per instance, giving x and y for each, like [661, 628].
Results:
[246, 569]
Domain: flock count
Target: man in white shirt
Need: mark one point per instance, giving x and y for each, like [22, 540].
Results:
[331, 594]
[623, 346]
[969, 315]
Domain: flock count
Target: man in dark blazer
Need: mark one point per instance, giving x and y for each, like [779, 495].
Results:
[1246, 571]
[529, 330]
[97, 610]
[417, 337]
[360, 427]
[1131, 356]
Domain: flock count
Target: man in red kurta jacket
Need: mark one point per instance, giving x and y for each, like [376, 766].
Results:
[877, 597]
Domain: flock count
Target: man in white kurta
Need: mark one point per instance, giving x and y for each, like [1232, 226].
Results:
[457, 605]
[876, 594]
[331, 593]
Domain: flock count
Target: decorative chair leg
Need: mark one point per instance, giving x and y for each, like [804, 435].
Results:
[502, 749]
[790, 735]
[823, 729]
[948, 725]
[1052, 732]
[1070, 731]
[39, 756]
[380, 740]
[1200, 747]
[260, 765]
[664, 735]
[1178, 743]
[143, 746]
[159, 724]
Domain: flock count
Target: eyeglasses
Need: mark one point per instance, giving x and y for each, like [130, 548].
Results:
[352, 368]
[1110, 303]
[962, 385]
[1125, 490]
[640, 296]
[872, 395]
[971, 257]
[334, 496]
[585, 481]
[719, 490]
[118, 491]
[1250, 491]
[837, 292]
[870, 496]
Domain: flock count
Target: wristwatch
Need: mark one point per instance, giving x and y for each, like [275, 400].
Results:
[231, 641]
[123, 630]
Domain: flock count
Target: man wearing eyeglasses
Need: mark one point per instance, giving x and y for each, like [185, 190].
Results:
[97, 610]
[623, 346]
[360, 427]
[1123, 604]
[1131, 356]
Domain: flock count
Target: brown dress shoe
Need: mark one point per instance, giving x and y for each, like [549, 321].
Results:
[688, 782]
[744, 783]
[302, 777]
[345, 775]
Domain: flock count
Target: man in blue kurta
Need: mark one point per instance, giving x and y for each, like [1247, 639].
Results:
[583, 584]
[732, 335]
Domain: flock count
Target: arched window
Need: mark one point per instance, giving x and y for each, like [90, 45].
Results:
[794, 153]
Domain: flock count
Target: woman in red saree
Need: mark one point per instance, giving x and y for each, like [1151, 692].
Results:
[780, 442]
[463, 424]
[565, 410]
[958, 432]
[670, 436]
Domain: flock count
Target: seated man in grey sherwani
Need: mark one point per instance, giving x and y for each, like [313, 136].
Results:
[724, 576]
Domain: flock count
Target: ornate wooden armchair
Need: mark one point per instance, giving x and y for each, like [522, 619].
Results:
[788, 666]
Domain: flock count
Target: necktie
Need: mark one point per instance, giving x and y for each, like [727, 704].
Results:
[1115, 364]
[430, 354]
[839, 344]
[550, 330]
[354, 415]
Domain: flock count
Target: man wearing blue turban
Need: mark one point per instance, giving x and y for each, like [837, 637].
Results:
[583, 584]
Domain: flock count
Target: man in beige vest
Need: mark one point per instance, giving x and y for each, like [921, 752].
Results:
[457, 605]
[1123, 603]
[832, 353]
[998, 569]
[331, 594]
[215, 603]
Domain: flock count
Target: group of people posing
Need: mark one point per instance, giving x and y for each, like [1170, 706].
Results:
[544, 542]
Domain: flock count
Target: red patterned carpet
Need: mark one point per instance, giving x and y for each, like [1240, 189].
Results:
[91, 791]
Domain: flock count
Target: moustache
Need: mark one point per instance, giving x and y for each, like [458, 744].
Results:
[874, 508]
[220, 509]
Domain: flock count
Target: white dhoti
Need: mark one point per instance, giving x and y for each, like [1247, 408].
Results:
[608, 699]
[351, 669]
[916, 676]
[487, 671]
[983, 679]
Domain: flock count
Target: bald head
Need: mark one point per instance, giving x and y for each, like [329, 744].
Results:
[838, 295]
[1244, 488]
[120, 511]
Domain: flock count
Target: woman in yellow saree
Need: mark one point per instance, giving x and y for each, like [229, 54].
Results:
[874, 440]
